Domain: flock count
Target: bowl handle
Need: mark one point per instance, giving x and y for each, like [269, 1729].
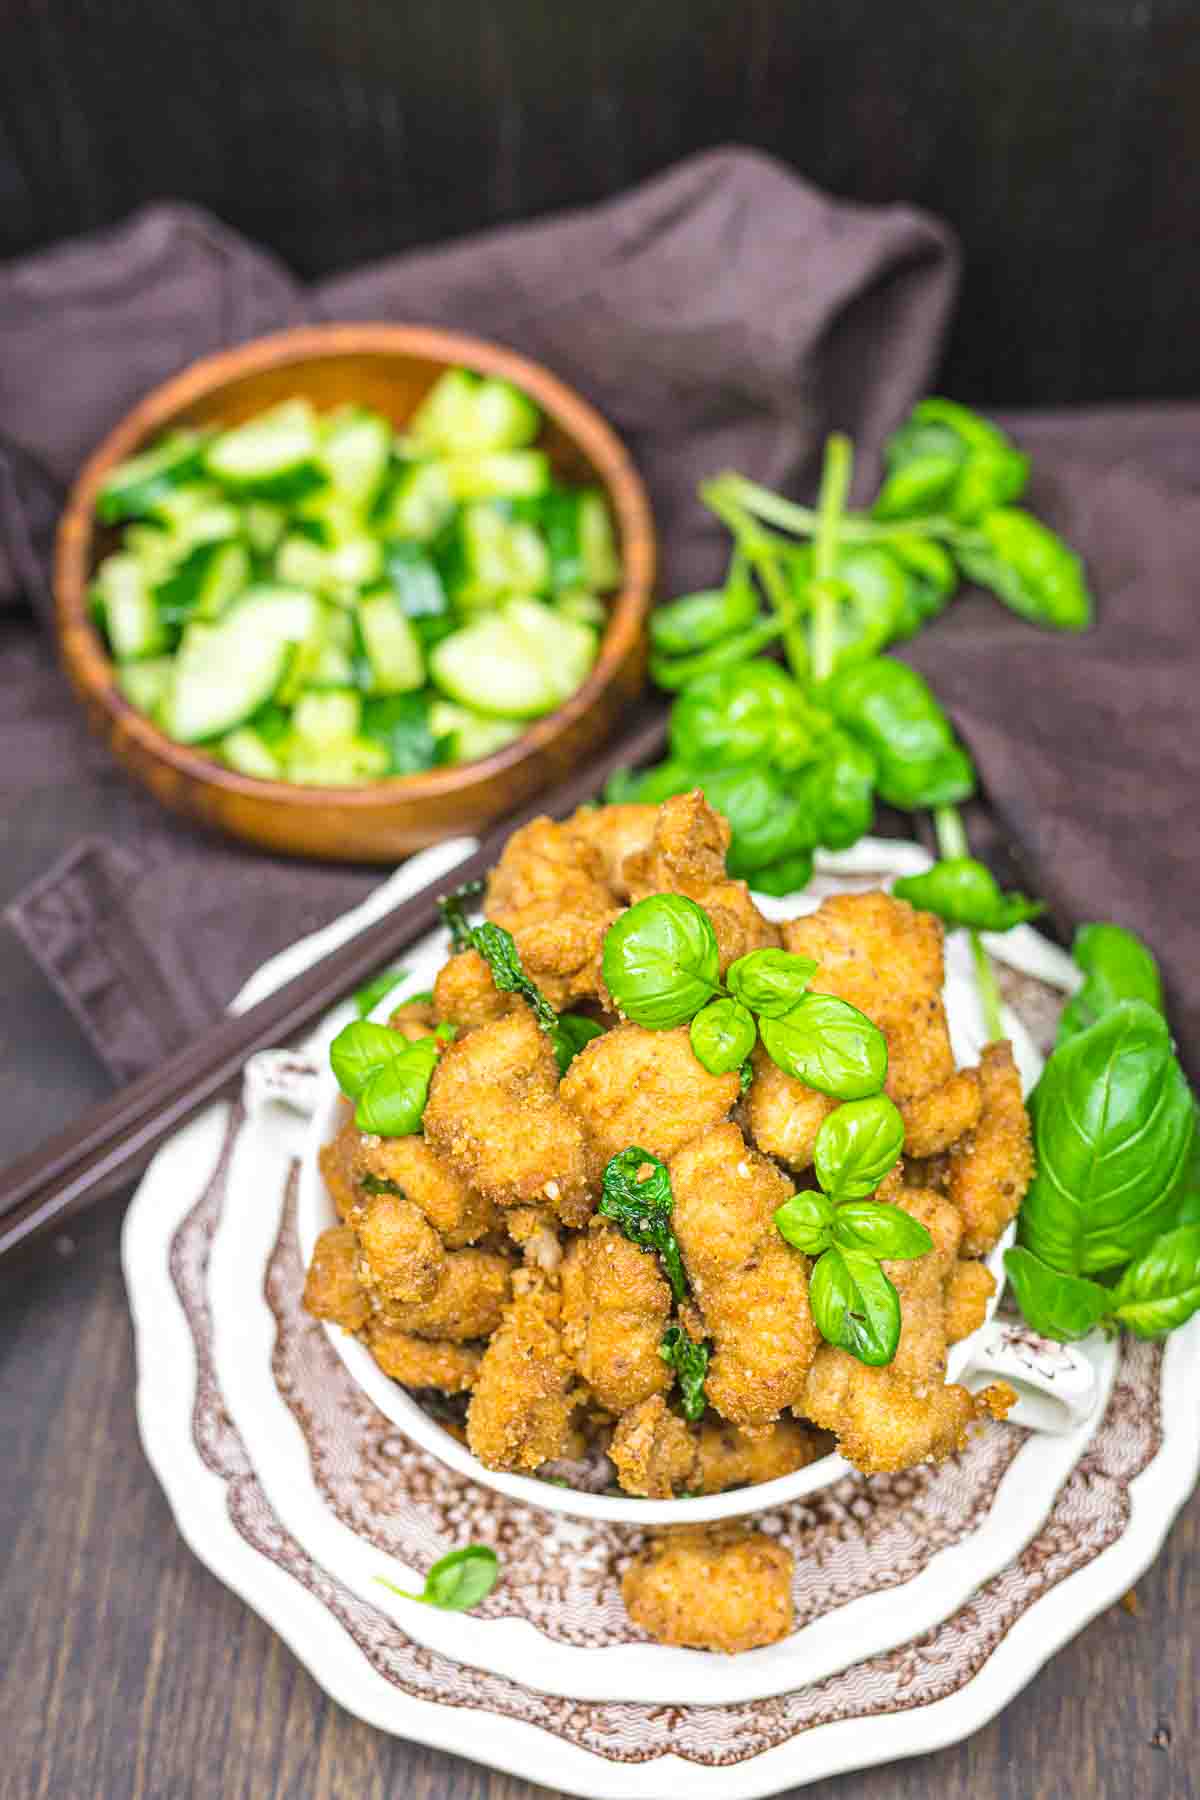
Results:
[1057, 1385]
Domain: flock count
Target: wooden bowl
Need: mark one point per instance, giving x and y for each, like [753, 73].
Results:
[390, 368]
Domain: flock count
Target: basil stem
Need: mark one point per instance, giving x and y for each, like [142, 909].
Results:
[952, 843]
[831, 504]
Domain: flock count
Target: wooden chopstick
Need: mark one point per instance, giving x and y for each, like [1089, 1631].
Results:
[65, 1173]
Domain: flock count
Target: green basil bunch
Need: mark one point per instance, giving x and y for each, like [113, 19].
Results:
[387, 1074]
[854, 1304]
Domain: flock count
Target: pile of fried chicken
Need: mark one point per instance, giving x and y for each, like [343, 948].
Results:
[471, 1260]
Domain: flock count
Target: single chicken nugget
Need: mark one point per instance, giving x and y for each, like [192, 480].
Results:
[645, 1088]
[712, 1591]
[332, 1289]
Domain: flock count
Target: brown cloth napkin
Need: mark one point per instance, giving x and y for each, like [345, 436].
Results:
[723, 314]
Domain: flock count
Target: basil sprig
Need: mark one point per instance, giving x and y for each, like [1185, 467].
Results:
[386, 1073]
[456, 1582]
[690, 1363]
[637, 1197]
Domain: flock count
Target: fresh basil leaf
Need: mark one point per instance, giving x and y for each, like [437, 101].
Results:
[1116, 966]
[393, 1101]
[379, 1184]
[770, 982]
[637, 1197]
[855, 1306]
[828, 1045]
[963, 892]
[697, 621]
[649, 787]
[690, 1363]
[368, 997]
[856, 1146]
[1161, 1289]
[1029, 568]
[893, 712]
[749, 713]
[1059, 1306]
[946, 458]
[499, 951]
[569, 1036]
[874, 1228]
[806, 1221]
[1113, 1130]
[661, 961]
[456, 1582]
[790, 875]
[723, 1034]
[359, 1051]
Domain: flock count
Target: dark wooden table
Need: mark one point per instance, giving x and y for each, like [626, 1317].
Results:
[129, 1671]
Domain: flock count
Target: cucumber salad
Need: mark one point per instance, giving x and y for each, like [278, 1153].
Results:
[313, 598]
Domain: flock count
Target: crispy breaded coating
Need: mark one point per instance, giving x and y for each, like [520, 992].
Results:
[422, 1362]
[904, 1413]
[782, 1115]
[884, 957]
[413, 1019]
[687, 856]
[548, 890]
[465, 995]
[653, 1451]
[402, 1255]
[495, 1113]
[933, 1121]
[751, 1286]
[459, 1213]
[535, 1231]
[727, 1457]
[712, 1590]
[633, 1086]
[520, 1410]
[332, 1288]
[968, 1289]
[338, 1161]
[991, 1169]
[468, 1301]
[615, 1307]
[616, 832]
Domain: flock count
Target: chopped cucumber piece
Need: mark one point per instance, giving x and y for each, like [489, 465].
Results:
[275, 456]
[392, 647]
[144, 683]
[130, 615]
[248, 752]
[355, 452]
[334, 667]
[134, 486]
[347, 764]
[471, 735]
[153, 547]
[499, 475]
[327, 716]
[463, 414]
[488, 554]
[403, 724]
[203, 583]
[518, 663]
[584, 608]
[340, 572]
[597, 542]
[417, 503]
[416, 581]
[225, 672]
[264, 524]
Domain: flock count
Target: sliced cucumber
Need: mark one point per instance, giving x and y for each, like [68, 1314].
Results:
[463, 414]
[264, 524]
[401, 722]
[130, 616]
[392, 647]
[416, 581]
[417, 503]
[144, 683]
[355, 450]
[203, 583]
[565, 648]
[346, 764]
[489, 554]
[499, 474]
[584, 608]
[334, 667]
[598, 543]
[225, 672]
[330, 518]
[470, 735]
[518, 663]
[134, 486]
[247, 751]
[327, 716]
[341, 572]
[275, 456]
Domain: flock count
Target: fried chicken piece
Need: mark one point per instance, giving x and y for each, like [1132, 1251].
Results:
[934, 1121]
[468, 1301]
[402, 1255]
[616, 832]
[653, 1451]
[687, 856]
[904, 1413]
[616, 1305]
[991, 1169]
[332, 1289]
[495, 1113]
[465, 995]
[884, 957]
[783, 1116]
[968, 1289]
[751, 1286]
[421, 1362]
[459, 1213]
[548, 890]
[633, 1086]
[338, 1162]
[524, 1393]
[726, 1590]
[728, 1458]
[413, 1019]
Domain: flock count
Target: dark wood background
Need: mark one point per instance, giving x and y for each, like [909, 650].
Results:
[1061, 138]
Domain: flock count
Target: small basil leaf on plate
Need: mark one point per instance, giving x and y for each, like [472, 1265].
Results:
[1161, 1289]
[660, 961]
[873, 1228]
[723, 1035]
[359, 1051]
[1059, 1306]
[829, 1045]
[855, 1306]
[456, 1582]
[857, 1145]
[770, 982]
[806, 1221]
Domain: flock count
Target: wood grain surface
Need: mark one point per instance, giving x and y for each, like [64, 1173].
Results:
[127, 1672]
